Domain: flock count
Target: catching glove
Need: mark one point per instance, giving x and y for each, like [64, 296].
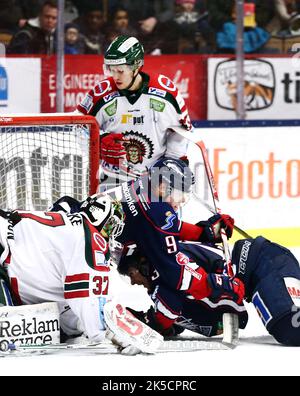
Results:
[225, 288]
[111, 150]
[212, 226]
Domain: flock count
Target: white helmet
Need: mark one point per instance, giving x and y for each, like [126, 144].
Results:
[105, 214]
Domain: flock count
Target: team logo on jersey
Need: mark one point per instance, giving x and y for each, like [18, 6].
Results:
[138, 147]
[157, 91]
[259, 85]
[169, 221]
[182, 259]
[87, 103]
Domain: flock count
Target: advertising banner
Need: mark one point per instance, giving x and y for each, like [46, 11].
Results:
[271, 89]
[82, 72]
[20, 85]
[257, 172]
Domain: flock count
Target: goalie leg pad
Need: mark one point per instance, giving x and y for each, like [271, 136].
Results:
[125, 330]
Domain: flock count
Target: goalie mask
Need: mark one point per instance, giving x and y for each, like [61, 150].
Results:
[106, 215]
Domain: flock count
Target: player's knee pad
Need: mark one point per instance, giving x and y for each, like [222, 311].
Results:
[286, 330]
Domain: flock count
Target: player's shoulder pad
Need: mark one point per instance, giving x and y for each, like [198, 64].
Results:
[163, 87]
[160, 85]
[103, 92]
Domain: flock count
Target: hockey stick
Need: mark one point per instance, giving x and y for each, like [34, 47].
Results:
[211, 209]
[230, 321]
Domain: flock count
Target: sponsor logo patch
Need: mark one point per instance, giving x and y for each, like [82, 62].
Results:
[157, 105]
[293, 288]
[157, 91]
[110, 96]
[87, 103]
[111, 109]
[182, 259]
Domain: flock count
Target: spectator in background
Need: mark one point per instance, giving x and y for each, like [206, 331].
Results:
[30, 9]
[91, 26]
[223, 18]
[38, 35]
[74, 44]
[287, 19]
[10, 15]
[195, 33]
[120, 22]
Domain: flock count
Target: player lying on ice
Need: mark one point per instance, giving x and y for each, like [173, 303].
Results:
[270, 273]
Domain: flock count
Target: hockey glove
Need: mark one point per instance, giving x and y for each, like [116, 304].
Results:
[149, 318]
[225, 288]
[111, 150]
[212, 226]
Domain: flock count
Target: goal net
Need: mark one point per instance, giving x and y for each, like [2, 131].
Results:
[46, 156]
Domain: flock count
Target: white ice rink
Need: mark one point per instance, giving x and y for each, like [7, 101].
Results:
[257, 354]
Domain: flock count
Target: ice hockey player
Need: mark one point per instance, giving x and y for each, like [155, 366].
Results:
[174, 311]
[63, 258]
[270, 273]
[134, 110]
[150, 204]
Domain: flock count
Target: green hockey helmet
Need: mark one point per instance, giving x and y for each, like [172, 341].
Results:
[125, 50]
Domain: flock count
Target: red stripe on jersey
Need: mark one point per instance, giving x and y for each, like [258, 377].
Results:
[199, 288]
[77, 278]
[76, 294]
[15, 290]
[163, 320]
[7, 260]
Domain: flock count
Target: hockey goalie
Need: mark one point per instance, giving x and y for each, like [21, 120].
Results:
[64, 259]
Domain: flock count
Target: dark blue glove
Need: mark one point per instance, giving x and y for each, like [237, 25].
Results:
[211, 228]
[225, 288]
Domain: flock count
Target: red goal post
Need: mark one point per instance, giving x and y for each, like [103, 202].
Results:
[46, 156]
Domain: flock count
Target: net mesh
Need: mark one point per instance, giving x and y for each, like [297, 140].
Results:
[39, 164]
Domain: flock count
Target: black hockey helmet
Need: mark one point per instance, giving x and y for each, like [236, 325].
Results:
[174, 172]
[135, 260]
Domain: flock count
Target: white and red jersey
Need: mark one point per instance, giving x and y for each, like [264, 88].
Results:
[143, 117]
[61, 258]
